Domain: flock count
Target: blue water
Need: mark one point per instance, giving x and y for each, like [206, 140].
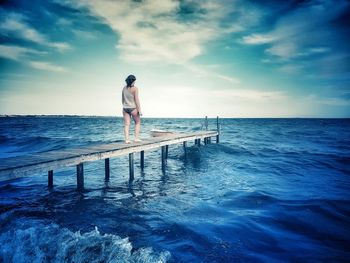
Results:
[273, 190]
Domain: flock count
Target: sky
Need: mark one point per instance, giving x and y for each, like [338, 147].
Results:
[191, 58]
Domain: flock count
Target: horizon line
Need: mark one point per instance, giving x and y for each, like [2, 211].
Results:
[117, 116]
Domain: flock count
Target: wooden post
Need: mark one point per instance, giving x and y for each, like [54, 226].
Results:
[142, 159]
[107, 169]
[131, 166]
[50, 179]
[185, 149]
[163, 158]
[80, 177]
[206, 123]
[218, 129]
[199, 142]
[166, 151]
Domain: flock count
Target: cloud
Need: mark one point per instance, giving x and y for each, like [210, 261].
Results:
[14, 24]
[18, 53]
[61, 47]
[307, 27]
[43, 65]
[335, 102]
[207, 71]
[257, 39]
[167, 31]
[230, 79]
[291, 68]
[84, 34]
[330, 101]
[248, 94]
[227, 102]
[159, 30]
[64, 22]
[22, 54]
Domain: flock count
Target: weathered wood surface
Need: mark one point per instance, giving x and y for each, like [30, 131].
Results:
[14, 167]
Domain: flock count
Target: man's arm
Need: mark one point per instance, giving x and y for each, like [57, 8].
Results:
[137, 100]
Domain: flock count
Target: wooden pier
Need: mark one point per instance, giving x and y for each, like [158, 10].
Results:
[15, 167]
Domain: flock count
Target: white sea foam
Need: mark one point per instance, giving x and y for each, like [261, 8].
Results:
[39, 242]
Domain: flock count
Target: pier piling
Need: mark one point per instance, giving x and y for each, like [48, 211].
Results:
[218, 129]
[185, 147]
[142, 159]
[50, 178]
[131, 166]
[107, 170]
[163, 149]
[80, 177]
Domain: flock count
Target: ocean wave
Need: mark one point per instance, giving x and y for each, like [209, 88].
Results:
[4, 139]
[32, 144]
[233, 150]
[37, 241]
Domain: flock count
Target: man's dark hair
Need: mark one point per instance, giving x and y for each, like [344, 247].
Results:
[129, 80]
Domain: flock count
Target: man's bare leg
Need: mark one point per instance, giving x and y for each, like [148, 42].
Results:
[126, 126]
[137, 121]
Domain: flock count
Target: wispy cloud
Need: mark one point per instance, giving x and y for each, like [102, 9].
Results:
[18, 53]
[61, 46]
[308, 40]
[22, 55]
[335, 101]
[257, 39]
[84, 34]
[330, 101]
[291, 68]
[230, 79]
[64, 22]
[249, 94]
[207, 71]
[43, 65]
[15, 24]
[307, 27]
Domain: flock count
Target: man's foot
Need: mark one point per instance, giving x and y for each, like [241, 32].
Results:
[137, 140]
[127, 141]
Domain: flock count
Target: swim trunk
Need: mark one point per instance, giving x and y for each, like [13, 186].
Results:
[128, 110]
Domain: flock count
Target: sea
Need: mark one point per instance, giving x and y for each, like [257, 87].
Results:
[272, 190]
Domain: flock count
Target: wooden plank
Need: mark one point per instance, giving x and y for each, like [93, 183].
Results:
[15, 167]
